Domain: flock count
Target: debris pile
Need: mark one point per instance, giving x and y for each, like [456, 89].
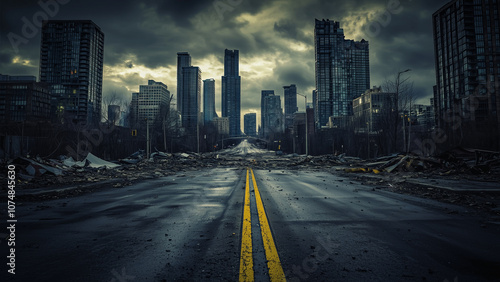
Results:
[35, 172]
[454, 162]
[65, 171]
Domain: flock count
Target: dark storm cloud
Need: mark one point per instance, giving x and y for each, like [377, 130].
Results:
[181, 11]
[295, 72]
[289, 28]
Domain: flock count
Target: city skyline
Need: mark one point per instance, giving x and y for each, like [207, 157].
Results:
[274, 51]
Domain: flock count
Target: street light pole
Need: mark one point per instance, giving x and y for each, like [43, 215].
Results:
[307, 135]
[409, 130]
[164, 136]
[147, 139]
[397, 109]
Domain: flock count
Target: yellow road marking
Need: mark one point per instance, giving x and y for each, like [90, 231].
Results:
[273, 261]
[246, 259]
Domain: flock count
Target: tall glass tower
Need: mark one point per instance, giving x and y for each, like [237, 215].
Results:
[231, 91]
[263, 112]
[290, 94]
[250, 124]
[183, 60]
[466, 95]
[191, 84]
[71, 62]
[209, 100]
[342, 71]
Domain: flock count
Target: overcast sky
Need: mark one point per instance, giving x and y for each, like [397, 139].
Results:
[275, 39]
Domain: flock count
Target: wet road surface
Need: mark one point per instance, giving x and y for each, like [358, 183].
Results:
[189, 227]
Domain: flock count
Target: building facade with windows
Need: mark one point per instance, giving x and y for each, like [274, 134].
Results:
[466, 95]
[263, 95]
[152, 99]
[231, 91]
[191, 99]
[209, 100]
[71, 62]
[23, 99]
[250, 124]
[290, 96]
[222, 125]
[373, 111]
[183, 60]
[342, 71]
[273, 119]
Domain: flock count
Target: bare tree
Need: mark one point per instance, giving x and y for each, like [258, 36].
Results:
[112, 99]
[403, 101]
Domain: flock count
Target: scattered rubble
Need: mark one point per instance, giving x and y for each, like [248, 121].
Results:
[418, 176]
[393, 170]
[455, 162]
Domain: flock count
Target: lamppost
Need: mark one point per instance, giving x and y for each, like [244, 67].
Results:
[307, 135]
[147, 139]
[397, 109]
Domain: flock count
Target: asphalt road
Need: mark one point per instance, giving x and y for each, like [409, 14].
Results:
[189, 227]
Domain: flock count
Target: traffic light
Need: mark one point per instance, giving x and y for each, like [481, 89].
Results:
[134, 132]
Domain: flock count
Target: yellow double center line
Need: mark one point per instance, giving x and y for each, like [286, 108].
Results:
[246, 259]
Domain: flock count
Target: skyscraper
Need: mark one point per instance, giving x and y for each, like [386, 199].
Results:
[151, 100]
[191, 99]
[183, 60]
[263, 96]
[290, 104]
[231, 91]
[250, 122]
[209, 100]
[134, 109]
[466, 46]
[273, 119]
[71, 61]
[342, 71]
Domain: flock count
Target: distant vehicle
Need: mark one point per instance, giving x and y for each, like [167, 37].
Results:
[279, 153]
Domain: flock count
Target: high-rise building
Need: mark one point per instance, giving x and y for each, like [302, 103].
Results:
[290, 104]
[466, 95]
[71, 61]
[183, 60]
[263, 96]
[209, 100]
[222, 125]
[250, 122]
[23, 99]
[314, 95]
[191, 99]
[134, 109]
[342, 71]
[152, 100]
[231, 91]
[273, 119]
